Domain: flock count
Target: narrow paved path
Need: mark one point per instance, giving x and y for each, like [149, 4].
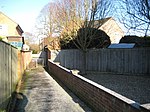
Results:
[41, 93]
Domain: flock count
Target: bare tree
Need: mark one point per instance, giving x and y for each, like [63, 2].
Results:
[80, 20]
[75, 20]
[47, 25]
[29, 38]
[136, 15]
[46, 21]
[84, 14]
[99, 9]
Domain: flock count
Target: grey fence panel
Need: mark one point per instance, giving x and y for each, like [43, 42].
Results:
[6, 75]
[80, 59]
[14, 64]
[120, 61]
[135, 61]
[1, 72]
[8, 72]
[72, 59]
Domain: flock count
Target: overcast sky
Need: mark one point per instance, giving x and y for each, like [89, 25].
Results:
[23, 12]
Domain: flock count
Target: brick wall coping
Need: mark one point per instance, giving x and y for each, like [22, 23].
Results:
[113, 93]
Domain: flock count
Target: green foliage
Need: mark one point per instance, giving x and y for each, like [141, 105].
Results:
[139, 41]
[2, 110]
[1, 38]
[148, 37]
[67, 37]
[35, 52]
[84, 36]
[34, 48]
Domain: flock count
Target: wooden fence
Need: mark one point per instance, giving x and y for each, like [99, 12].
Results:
[120, 61]
[8, 72]
[12, 65]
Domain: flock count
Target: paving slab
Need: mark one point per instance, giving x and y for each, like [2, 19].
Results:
[41, 93]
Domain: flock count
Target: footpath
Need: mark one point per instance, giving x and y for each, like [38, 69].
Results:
[41, 93]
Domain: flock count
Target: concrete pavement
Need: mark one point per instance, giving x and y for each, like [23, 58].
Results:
[41, 93]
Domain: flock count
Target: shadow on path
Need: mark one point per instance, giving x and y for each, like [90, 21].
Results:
[70, 93]
[40, 92]
[21, 103]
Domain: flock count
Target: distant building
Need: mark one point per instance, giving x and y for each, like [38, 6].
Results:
[11, 30]
[111, 28]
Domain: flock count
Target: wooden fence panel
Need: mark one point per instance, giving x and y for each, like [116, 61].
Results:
[8, 72]
[121, 61]
[12, 65]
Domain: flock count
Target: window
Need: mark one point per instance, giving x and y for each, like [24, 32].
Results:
[17, 44]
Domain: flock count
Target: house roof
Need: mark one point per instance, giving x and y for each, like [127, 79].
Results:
[104, 20]
[19, 28]
[122, 45]
[14, 36]
[17, 25]
[98, 23]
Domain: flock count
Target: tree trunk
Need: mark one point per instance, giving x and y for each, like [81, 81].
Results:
[84, 71]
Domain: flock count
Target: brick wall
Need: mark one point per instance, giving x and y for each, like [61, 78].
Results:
[99, 98]
[24, 59]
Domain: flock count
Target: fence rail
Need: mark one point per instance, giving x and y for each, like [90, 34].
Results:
[120, 61]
